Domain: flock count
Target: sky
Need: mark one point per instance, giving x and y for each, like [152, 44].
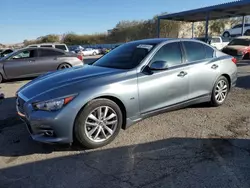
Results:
[29, 19]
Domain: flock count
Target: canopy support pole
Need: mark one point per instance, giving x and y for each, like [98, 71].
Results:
[192, 30]
[243, 25]
[158, 27]
[206, 27]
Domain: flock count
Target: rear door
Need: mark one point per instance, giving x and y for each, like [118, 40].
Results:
[202, 70]
[48, 60]
[21, 64]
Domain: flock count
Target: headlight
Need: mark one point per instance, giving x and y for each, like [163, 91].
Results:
[52, 105]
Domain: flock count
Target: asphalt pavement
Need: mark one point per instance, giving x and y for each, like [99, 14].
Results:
[198, 146]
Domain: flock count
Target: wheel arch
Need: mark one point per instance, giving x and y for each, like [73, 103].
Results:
[228, 79]
[114, 99]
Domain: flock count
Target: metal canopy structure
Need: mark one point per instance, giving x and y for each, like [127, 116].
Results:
[226, 10]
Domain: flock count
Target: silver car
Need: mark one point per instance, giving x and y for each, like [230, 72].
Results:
[134, 81]
[31, 62]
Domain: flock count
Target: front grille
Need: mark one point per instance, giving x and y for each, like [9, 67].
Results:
[231, 52]
[20, 104]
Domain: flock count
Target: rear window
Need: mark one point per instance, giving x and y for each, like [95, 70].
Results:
[241, 42]
[61, 47]
[47, 46]
[47, 53]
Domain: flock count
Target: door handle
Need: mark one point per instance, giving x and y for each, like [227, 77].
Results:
[214, 66]
[182, 74]
[31, 61]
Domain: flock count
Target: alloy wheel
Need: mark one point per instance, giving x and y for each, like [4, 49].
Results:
[221, 91]
[101, 124]
[64, 66]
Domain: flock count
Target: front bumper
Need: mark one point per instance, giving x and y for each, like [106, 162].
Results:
[47, 127]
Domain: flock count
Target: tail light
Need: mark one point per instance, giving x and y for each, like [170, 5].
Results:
[234, 60]
[80, 57]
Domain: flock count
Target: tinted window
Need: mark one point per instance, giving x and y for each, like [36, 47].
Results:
[242, 42]
[209, 51]
[247, 25]
[126, 56]
[215, 40]
[237, 26]
[171, 53]
[48, 46]
[194, 51]
[24, 54]
[46, 53]
[61, 47]
[225, 39]
[32, 46]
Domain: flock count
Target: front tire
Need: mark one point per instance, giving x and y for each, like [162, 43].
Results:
[220, 91]
[98, 123]
[94, 53]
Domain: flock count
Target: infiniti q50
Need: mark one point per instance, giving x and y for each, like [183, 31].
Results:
[136, 80]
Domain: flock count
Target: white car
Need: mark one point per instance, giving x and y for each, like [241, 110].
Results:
[218, 42]
[90, 51]
[236, 30]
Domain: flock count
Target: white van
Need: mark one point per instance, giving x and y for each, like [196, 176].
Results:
[52, 45]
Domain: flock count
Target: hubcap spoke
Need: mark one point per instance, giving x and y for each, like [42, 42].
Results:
[92, 131]
[104, 134]
[105, 112]
[91, 124]
[111, 122]
[108, 129]
[92, 116]
[98, 132]
[99, 113]
[110, 116]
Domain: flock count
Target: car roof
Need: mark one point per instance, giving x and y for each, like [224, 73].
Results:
[47, 44]
[152, 40]
[46, 48]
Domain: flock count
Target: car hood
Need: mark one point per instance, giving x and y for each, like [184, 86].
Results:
[54, 80]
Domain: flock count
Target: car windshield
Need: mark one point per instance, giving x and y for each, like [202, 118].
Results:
[241, 42]
[8, 55]
[126, 56]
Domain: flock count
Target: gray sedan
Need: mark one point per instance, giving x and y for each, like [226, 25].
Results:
[134, 81]
[31, 62]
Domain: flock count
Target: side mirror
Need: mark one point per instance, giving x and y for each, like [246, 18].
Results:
[159, 65]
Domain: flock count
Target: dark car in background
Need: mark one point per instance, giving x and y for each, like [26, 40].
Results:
[239, 47]
[31, 62]
[5, 52]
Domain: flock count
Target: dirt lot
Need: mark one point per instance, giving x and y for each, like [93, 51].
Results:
[197, 146]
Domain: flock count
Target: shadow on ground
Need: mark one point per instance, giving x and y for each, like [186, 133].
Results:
[176, 162]
[243, 82]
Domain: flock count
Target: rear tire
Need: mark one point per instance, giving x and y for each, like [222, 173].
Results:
[94, 53]
[220, 91]
[98, 123]
[64, 66]
[226, 34]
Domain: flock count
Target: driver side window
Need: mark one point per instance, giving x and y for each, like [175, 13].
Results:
[24, 54]
[170, 53]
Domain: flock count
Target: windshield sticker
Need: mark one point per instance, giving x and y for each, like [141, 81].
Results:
[145, 46]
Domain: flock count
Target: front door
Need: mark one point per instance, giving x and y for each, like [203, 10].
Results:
[165, 87]
[20, 64]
